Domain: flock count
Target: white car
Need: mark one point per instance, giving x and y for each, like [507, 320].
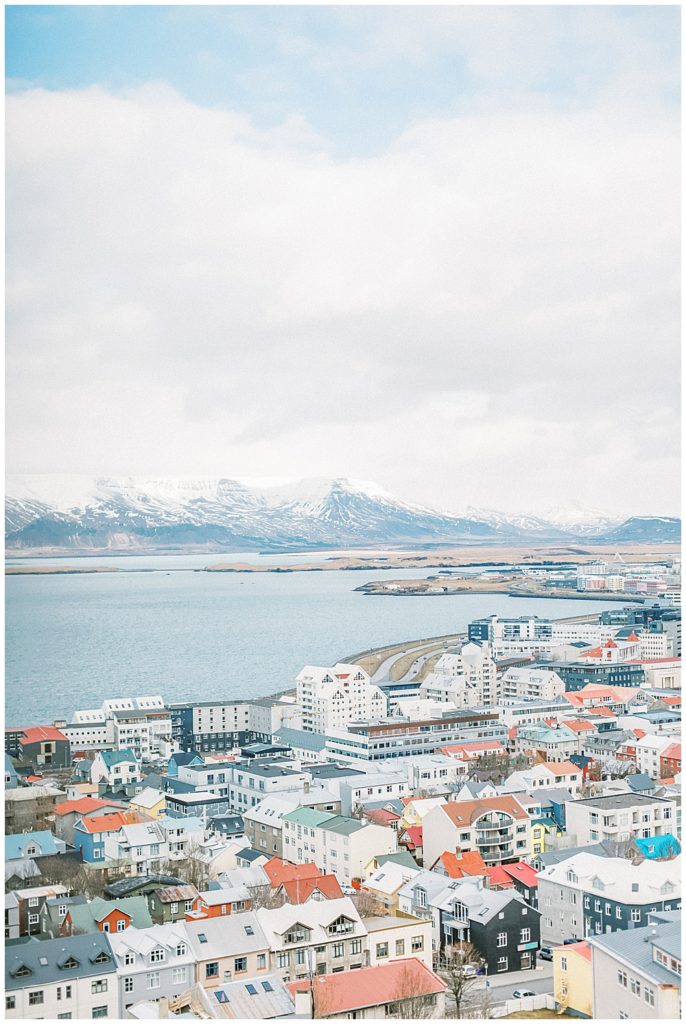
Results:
[521, 993]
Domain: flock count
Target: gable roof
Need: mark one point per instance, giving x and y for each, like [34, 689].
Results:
[468, 863]
[278, 871]
[84, 805]
[15, 844]
[109, 822]
[462, 814]
[46, 960]
[112, 757]
[39, 733]
[299, 890]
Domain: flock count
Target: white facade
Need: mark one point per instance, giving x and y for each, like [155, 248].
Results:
[332, 697]
[467, 679]
[539, 683]
[340, 846]
[648, 751]
[621, 817]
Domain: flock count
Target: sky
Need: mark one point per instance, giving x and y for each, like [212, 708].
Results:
[433, 247]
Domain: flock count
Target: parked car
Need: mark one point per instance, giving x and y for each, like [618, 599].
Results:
[545, 953]
[520, 993]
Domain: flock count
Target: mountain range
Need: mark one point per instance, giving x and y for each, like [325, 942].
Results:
[133, 515]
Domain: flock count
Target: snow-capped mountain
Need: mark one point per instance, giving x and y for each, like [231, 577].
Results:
[135, 514]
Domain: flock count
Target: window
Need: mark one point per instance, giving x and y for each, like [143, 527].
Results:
[99, 986]
[179, 976]
[212, 969]
[502, 939]
[417, 943]
[636, 914]
[399, 947]
[10, 1002]
[129, 958]
[157, 956]
[261, 961]
[300, 956]
[34, 901]
[502, 963]
[128, 984]
[154, 979]
[635, 987]
[587, 902]
[356, 946]
[525, 935]
[187, 905]
[33, 919]
[618, 913]
[649, 996]
[99, 1011]
[121, 924]
[35, 998]
[181, 949]
[282, 960]
[381, 950]
[621, 978]
[240, 964]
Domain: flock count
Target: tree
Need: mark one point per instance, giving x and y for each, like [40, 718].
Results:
[458, 967]
[366, 903]
[264, 897]
[407, 1003]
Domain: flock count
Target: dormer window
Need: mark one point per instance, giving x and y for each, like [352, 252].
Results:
[298, 933]
[181, 949]
[70, 964]
[22, 971]
[129, 958]
[341, 926]
[101, 958]
[157, 956]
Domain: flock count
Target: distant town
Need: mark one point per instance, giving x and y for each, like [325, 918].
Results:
[480, 825]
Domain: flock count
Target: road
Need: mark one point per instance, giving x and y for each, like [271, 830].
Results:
[501, 987]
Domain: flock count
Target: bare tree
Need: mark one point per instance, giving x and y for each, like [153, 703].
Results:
[366, 903]
[458, 967]
[407, 1003]
[264, 897]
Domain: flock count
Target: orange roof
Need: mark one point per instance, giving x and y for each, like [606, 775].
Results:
[112, 822]
[497, 876]
[370, 986]
[380, 816]
[84, 805]
[38, 733]
[468, 863]
[673, 750]
[578, 725]
[583, 948]
[299, 890]
[639, 733]
[672, 699]
[278, 871]
[560, 767]
[466, 811]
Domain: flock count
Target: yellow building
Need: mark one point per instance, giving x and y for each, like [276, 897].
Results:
[573, 978]
[150, 801]
[540, 833]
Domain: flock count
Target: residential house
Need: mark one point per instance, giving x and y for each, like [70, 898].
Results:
[149, 801]
[10, 773]
[29, 904]
[545, 775]
[171, 903]
[40, 745]
[90, 834]
[385, 883]
[670, 761]
[263, 824]
[226, 948]
[115, 768]
[67, 813]
[397, 938]
[343, 846]
[573, 979]
[107, 915]
[332, 697]
[26, 805]
[319, 937]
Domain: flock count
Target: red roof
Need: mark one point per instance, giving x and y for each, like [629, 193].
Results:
[278, 871]
[672, 751]
[498, 876]
[413, 834]
[370, 986]
[380, 816]
[84, 805]
[38, 733]
[527, 875]
[468, 863]
[583, 948]
[112, 822]
[578, 725]
[299, 890]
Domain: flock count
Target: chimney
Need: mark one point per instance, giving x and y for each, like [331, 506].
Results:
[303, 1002]
[163, 1008]
[306, 786]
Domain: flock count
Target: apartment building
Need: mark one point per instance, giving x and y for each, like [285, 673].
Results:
[498, 827]
[212, 726]
[534, 636]
[250, 781]
[152, 962]
[383, 739]
[588, 894]
[140, 723]
[532, 682]
[332, 697]
[337, 844]
[72, 977]
[649, 750]
[263, 823]
[620, 817]
[317, 937]
[466, 680]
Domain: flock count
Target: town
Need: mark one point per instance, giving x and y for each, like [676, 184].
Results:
[496, 831]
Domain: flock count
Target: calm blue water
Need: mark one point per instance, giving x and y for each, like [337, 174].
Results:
[72, 641]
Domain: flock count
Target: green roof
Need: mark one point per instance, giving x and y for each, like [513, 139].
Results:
[402, 857]
[112, 757]
[308, 816]
[86, 916]
[343, 826]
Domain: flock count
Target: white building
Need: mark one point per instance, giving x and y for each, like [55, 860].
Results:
[336, 844]
[620, 817]
[467, 679]
[332, 697]
[637, 974]
[142, 724]
[538, 683]
[648, 751]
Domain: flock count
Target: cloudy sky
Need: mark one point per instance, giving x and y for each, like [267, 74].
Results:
[432, 247]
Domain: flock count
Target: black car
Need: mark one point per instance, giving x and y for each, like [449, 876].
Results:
[545, 953]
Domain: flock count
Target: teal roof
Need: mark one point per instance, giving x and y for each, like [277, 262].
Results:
[402, 857]
[308, 816]
[112, 757]
[659, 847]
[342, 826]
[86, 916]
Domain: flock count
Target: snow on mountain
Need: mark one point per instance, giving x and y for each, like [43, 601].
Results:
[132, 513]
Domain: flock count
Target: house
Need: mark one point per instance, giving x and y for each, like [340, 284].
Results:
[149, 801]
[152, 962]
[227, 948]
[91, 832]
[182, 757]
[264, 999]
[498, 828]
[26, 805]
[547, 742]
[637, 974]
[649, 752]
[658, 847]
[334, 843]
[263, 823]
[226, 826]
[321, 936]
[670, 761]
[220, 902]
[74, 976]
[11, 916]
[171, 903]
[29, 904]
[385, 883]
[115, 768]
[404, 987]
[588, 894]
[545, 775]
[139, 885]
[67, 813]
[33, 844]
[619, 817]
[573, 979]
[107, 915]
[462, 865]
[324, 887]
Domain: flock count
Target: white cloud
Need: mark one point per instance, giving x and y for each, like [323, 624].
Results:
[486, 313]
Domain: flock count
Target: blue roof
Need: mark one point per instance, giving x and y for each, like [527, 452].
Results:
[16, 845]
[659, 847]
